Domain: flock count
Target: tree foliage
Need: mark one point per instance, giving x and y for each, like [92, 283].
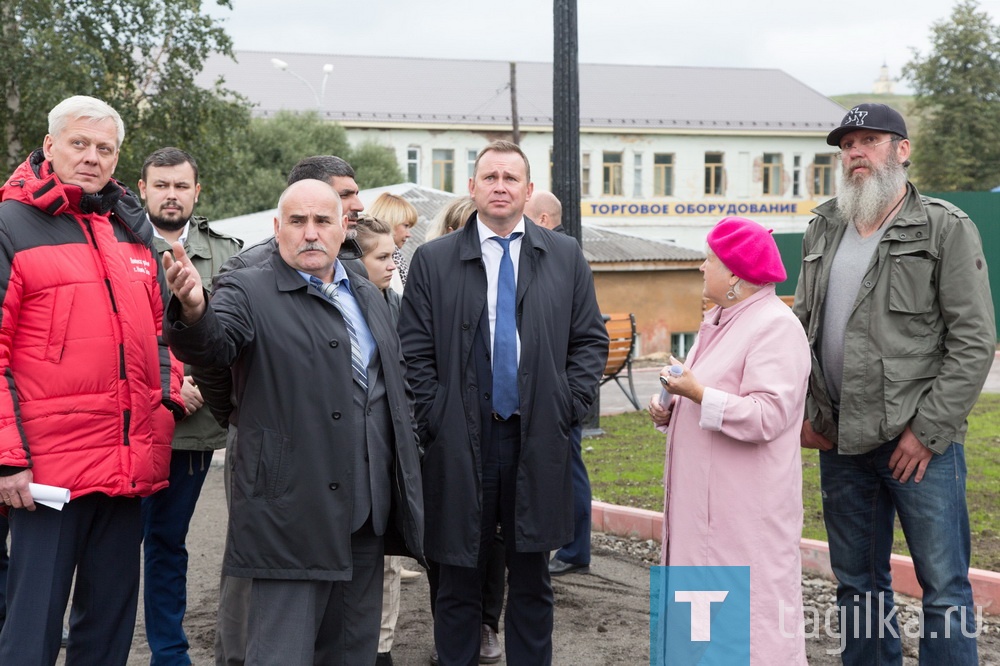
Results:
[273, 147]
[957, 96]
[375, 165]
[140, 56]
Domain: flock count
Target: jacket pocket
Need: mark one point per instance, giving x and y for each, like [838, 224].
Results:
[274, 451]
[907, 381]
[911, 282]
[811, 266]
[435, 414]
[62, 307]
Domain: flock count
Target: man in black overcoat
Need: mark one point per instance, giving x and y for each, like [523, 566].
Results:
[503, 363]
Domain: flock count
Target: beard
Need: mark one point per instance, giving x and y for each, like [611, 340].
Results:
[167, 224]
[864, 198]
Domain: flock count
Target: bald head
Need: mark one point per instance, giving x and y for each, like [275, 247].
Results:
[310, 227]
[544, 209]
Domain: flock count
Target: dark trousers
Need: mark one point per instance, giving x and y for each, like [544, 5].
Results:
[166, 517]
[493, 583]
[4, 563]
[578, 550]
[528, 618]
[97, 537]
[306, 622]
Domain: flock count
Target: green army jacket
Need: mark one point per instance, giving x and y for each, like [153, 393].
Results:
[921, 337]
[208, 250]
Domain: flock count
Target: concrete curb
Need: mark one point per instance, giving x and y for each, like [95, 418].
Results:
[648, 525]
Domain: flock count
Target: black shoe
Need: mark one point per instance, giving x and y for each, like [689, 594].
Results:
[434, 656]
[559, 568]
[489, 646]
[383, 659]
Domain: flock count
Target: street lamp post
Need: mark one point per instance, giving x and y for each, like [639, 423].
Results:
[327, 70]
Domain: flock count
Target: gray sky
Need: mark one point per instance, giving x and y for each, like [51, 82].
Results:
[834, 47]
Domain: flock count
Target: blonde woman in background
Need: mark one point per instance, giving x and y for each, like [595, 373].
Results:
[452, 217]
[401, 216]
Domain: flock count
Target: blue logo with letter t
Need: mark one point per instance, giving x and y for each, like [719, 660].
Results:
[699, 616]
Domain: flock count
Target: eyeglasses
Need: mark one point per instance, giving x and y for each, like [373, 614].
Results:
[867, 144]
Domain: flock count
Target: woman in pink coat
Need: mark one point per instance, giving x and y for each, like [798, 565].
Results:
[733, 474]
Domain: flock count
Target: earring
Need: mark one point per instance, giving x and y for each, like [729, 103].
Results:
[731, 295]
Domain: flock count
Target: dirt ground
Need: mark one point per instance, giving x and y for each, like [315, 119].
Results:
[601, 619]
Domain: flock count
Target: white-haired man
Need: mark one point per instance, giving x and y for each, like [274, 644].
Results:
[90, 391]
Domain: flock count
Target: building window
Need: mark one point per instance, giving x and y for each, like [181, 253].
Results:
[772, 173]
[637, 176]
[713, 173]
[585, 174]
[470, 159]
[663, 175]
[444, 169]
[613, 174]
[680, 344]
[797, 176]
[413, 165]
[823, 176]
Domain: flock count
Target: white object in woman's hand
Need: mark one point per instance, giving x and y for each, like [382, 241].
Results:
[660, 411]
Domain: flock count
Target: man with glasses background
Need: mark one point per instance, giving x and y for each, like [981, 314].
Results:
[902, 345]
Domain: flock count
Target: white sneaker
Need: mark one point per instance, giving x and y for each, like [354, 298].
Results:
[407, 576]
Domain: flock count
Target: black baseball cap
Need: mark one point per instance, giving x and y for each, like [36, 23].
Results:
[875, 117]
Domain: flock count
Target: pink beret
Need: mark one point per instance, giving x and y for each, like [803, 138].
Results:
[747, 249]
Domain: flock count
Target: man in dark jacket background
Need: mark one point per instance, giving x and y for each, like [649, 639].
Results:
[504, 347]
[325, 463]
[170, 188]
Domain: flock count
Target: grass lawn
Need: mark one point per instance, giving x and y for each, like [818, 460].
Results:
[626, 468]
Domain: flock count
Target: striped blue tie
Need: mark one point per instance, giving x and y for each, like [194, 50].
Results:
[360, 373]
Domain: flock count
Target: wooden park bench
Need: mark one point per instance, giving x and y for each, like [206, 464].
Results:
[621, 346]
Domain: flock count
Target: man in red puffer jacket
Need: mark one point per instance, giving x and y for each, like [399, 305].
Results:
[89, 391]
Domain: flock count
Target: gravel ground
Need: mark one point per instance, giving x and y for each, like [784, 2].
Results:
[820, 593]
[601, 618]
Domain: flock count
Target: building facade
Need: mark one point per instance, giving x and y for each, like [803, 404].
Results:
[665, 151]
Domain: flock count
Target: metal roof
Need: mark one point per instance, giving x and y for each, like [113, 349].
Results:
[392, 90]
[602, 245]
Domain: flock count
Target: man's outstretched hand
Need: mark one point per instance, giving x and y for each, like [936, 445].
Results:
[184, 283]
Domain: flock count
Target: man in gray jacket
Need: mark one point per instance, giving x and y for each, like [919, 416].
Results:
[895, 299]
[325, 469]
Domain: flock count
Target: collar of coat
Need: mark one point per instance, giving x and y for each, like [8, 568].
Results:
[289, 279]
[471, 249]
[35, 184]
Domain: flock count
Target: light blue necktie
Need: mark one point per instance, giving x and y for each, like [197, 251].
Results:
[358, 368]
[505, 394]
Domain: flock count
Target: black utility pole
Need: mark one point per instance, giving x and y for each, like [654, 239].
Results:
[566, 143]
[515, 121]
[566, 116]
